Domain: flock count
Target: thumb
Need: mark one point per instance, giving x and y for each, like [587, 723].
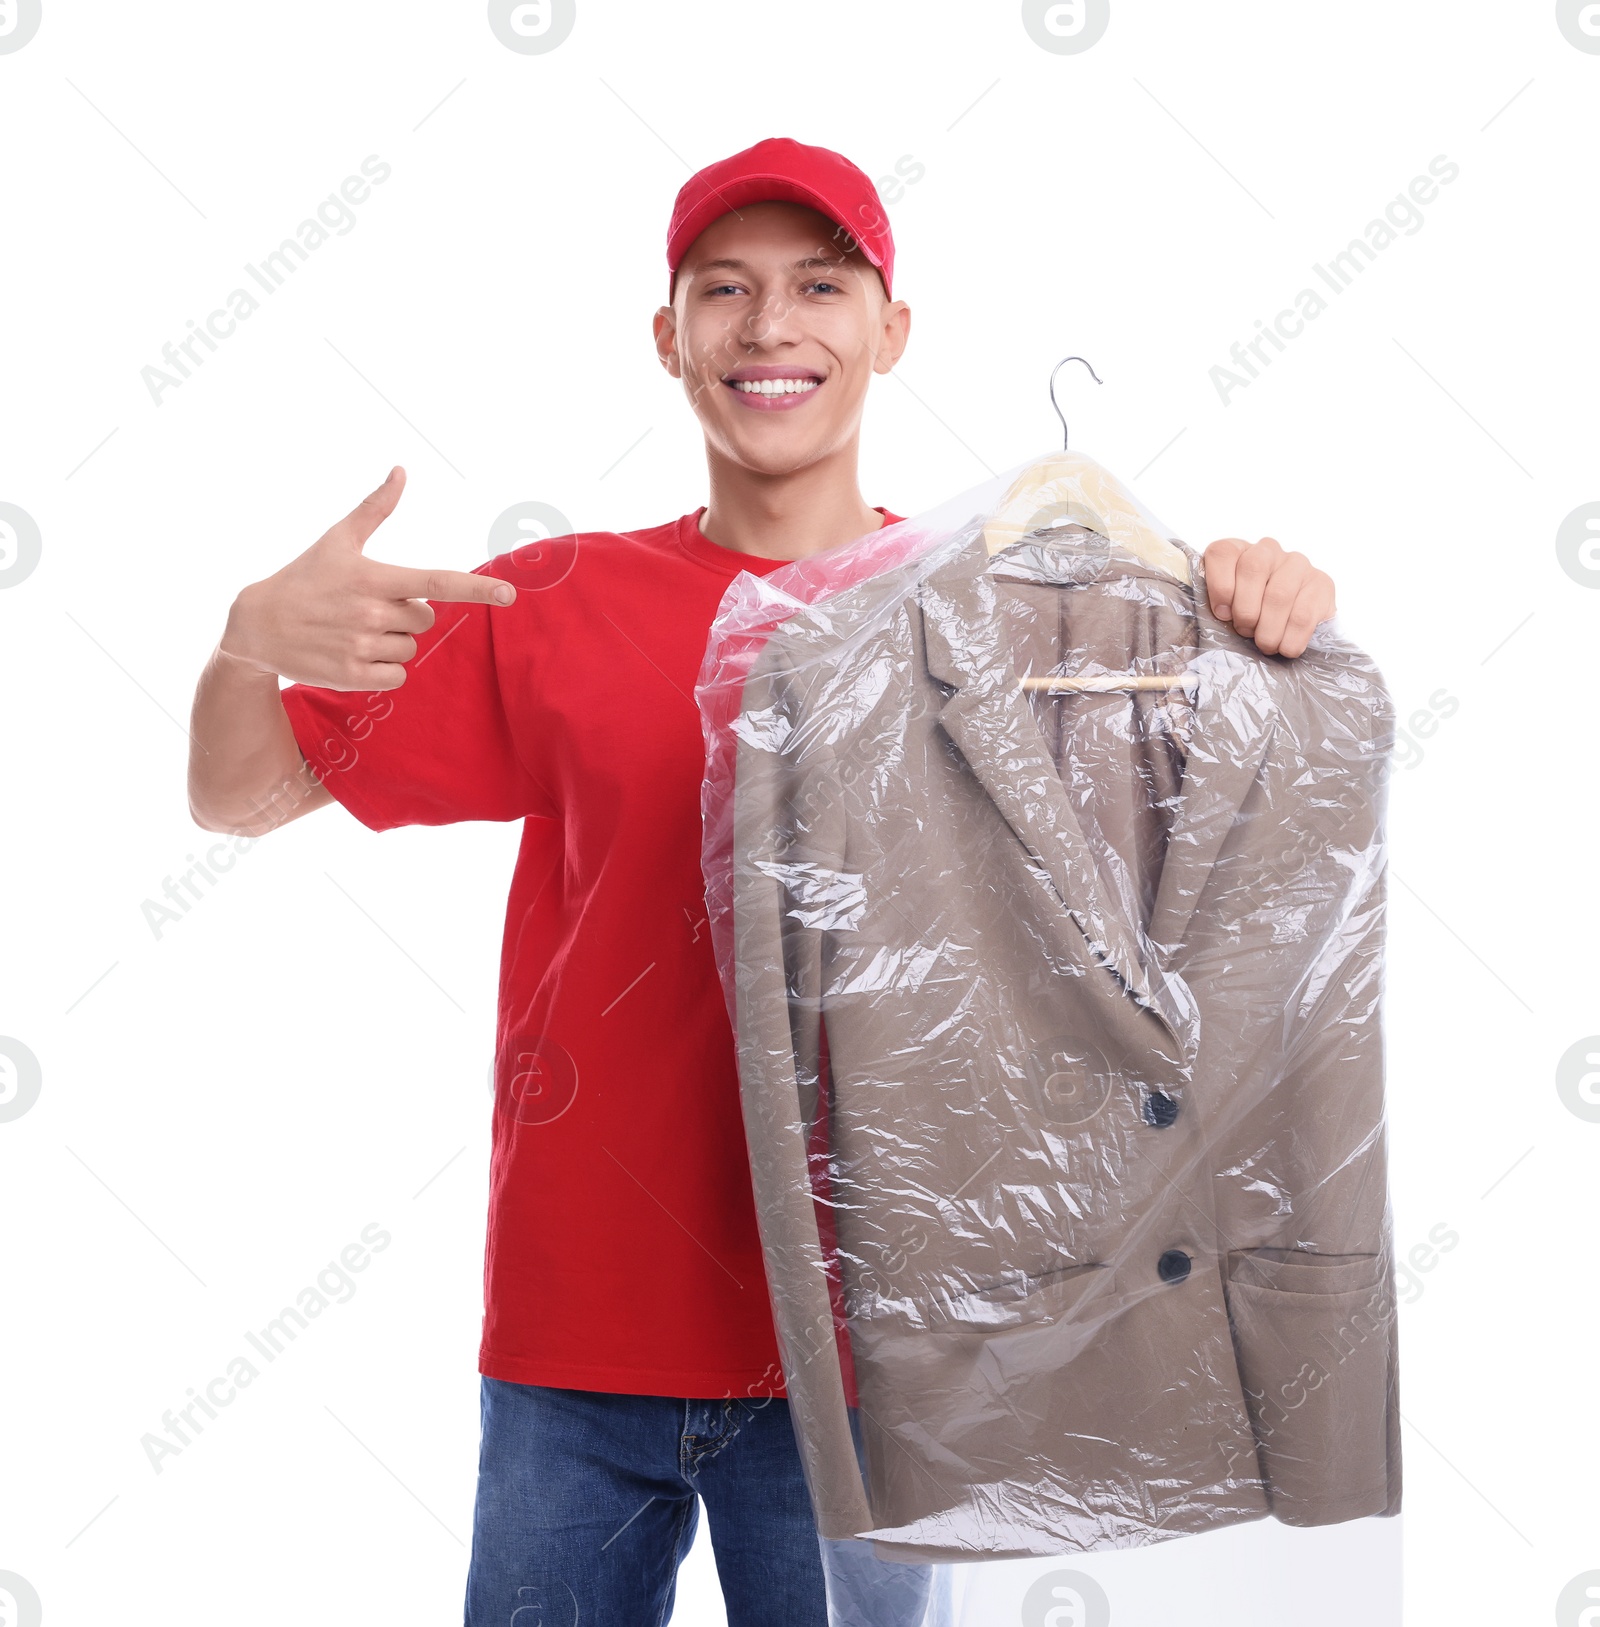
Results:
[373, 509]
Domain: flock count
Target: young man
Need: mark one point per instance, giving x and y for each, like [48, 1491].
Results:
[628, 1361]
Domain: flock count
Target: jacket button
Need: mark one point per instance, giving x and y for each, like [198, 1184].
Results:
[1173, 1266]
[1160, 1109]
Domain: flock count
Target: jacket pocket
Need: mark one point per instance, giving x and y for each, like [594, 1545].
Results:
[1314, 1336]
[1297, 1271]
[1041, 1295]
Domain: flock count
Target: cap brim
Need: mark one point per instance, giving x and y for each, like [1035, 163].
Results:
[748, 189]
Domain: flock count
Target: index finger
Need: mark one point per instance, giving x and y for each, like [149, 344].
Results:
[1221, 560]
[444, 587]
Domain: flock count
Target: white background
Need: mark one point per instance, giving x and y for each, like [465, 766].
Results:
[225, 1107]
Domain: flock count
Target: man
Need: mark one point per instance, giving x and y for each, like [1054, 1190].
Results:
[628, 1361]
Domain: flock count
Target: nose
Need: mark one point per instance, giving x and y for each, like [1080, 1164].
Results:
[770, 318]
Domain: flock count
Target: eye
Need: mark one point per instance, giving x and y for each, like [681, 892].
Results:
[717, 288]
[824, 286]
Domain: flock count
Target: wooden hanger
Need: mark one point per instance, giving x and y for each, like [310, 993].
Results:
[1067, 487]
[1096, 683]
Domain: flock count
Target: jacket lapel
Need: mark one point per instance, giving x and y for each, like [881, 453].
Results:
[987, 716]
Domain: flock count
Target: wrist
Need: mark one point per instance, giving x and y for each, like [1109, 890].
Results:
[242, 667]
[233, 651]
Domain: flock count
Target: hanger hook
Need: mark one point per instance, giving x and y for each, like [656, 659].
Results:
[1054, 403]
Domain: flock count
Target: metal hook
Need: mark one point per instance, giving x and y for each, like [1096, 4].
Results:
[1054, 403]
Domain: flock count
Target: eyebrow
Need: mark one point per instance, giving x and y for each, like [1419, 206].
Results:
[810, 263]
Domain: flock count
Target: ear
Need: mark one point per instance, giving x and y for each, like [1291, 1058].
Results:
[665, 327]
[893, 335]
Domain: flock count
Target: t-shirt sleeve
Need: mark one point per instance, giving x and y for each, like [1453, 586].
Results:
[438, 749]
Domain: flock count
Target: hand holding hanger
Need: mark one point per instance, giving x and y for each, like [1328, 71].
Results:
[1269, 593]
[1275, 596]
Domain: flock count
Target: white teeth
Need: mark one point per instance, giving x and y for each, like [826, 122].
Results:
[775, 386]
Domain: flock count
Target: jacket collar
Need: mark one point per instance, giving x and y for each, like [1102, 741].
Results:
[989, 719]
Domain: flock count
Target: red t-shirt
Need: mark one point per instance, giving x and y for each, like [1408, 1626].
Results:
[622, 1251]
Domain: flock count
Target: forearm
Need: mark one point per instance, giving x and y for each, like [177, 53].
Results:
[246, 773]
[330, 618]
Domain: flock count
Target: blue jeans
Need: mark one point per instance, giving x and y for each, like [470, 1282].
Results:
[588, 1504]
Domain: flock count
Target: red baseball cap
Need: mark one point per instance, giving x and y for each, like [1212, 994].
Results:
[786, 171]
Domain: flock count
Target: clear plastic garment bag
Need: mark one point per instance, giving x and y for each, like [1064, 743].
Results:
[1050, 913]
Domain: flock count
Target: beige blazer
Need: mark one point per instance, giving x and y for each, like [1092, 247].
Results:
[1061, 1059]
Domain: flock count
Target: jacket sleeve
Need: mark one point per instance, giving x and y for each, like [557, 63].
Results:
[1304, 1207]
[788, 886]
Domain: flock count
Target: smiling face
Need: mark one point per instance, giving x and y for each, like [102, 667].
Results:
[776, 328]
